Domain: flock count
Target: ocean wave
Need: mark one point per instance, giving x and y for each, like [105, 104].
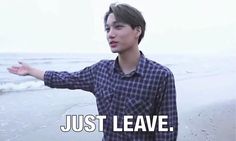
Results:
[21, 86]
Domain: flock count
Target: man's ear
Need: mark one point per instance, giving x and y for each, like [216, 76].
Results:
[138, 30]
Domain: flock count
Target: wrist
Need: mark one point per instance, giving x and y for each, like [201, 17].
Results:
[30, 71]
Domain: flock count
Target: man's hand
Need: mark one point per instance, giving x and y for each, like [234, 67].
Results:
[22, 70]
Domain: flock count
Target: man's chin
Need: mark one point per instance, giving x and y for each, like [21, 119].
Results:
[114, 50]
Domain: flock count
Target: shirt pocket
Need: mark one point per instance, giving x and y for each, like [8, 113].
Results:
[104, 99]
[138, 106]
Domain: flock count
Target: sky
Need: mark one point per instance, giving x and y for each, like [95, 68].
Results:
[173, 26]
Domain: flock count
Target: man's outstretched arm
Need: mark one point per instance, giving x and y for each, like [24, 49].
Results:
[83, 79]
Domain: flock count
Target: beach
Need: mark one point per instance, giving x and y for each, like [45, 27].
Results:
[206, 101]
[207, 112]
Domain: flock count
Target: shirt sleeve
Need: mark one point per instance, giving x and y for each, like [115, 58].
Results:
[167, 107]
[83, 79]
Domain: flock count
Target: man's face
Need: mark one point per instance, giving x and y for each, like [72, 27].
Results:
[120, 36]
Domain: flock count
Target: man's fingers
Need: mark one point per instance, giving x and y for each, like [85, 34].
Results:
[12, 70]
[15, 67]
[9, 69]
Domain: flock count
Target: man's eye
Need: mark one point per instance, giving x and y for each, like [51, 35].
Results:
[118, 26]
[107, 29]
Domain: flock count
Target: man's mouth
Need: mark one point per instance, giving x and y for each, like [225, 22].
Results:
[113, 44]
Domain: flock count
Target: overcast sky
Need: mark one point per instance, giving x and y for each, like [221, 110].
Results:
[173, 26]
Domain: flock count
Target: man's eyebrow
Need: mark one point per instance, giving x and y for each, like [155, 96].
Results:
[113, 23]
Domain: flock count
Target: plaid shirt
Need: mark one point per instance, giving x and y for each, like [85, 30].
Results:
[149, 90]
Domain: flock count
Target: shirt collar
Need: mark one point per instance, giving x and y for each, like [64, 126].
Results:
[140, 67]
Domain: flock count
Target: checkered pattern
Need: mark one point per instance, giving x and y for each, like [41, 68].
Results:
[149, 90]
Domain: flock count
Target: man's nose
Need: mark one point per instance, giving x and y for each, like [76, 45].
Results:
[111, 33]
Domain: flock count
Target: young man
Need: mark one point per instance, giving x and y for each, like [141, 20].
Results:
[130, 85]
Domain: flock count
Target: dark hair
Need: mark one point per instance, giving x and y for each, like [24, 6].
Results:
[127, 14]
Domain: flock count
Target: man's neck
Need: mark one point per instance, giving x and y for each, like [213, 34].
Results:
[128, 60]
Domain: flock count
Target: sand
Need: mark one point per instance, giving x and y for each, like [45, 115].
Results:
[207, 108]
